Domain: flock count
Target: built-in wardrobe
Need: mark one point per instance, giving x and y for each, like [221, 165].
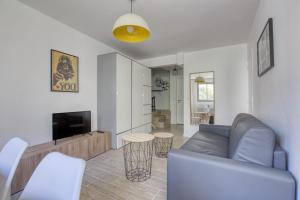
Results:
[123, 96]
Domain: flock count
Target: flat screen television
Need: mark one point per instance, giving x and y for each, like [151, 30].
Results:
[71, 123]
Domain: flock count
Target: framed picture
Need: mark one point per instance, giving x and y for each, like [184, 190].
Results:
[265, 49]
[64, 72]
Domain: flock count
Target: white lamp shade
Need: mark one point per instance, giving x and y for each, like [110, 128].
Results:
[131, 28]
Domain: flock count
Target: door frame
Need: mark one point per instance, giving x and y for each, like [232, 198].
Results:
[214, 81]
[182, 97]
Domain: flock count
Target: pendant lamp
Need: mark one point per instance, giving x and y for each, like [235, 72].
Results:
[200, 80]
[131, 28]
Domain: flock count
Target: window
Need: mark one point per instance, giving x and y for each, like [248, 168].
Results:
[205, 92]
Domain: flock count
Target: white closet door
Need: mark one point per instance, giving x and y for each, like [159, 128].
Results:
[147, 86]
[148, 128]
[147, 118]
[140, 129]
[137, 95]
[123, 94]
[147, 97]
[120, 139]
[147, 109]
[180, 99]
[147, 76]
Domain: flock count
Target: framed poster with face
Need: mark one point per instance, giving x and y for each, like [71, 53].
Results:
[64, 72]
[265, 49]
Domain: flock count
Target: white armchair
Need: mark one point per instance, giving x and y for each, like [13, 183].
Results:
[10, 157]
[57, 177]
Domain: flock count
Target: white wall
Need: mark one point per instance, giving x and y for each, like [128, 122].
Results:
[175, 59]
[276, 94]
[26, 103]
[160, 61]
[231, 82]
[162, 99]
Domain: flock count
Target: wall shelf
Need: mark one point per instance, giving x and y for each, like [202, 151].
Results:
[158, 90]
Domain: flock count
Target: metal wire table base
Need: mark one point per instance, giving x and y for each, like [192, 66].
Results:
[138, 160]
[162, 146]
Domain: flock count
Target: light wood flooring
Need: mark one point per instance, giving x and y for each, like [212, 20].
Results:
[104, 177]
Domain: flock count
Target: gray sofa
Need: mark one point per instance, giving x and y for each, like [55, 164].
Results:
[238, 162]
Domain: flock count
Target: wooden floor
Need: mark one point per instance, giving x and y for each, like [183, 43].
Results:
[104, 177]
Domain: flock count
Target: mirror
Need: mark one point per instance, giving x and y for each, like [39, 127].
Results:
[202, 98]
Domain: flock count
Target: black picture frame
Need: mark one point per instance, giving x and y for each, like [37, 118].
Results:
[52, 52]
[265, 49]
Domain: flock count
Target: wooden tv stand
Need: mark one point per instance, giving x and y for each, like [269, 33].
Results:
[84, 146]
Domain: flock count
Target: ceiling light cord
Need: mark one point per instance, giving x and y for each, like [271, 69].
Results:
[131, 6]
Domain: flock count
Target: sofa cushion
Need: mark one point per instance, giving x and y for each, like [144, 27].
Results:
[252, 141]
[207, 143]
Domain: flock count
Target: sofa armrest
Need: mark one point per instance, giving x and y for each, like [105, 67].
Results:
[195, 176]
[216, 129]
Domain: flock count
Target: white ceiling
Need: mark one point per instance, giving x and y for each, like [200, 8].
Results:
[176, 25]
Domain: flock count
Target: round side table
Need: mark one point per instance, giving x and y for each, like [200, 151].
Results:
[138, 150]
[163, 143]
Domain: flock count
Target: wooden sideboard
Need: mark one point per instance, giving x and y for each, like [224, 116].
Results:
[81, 146]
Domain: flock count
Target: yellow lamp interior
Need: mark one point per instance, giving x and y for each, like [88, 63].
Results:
[199, 80]
[131, 33]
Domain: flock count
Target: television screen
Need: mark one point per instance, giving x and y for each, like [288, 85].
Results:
[71, 123]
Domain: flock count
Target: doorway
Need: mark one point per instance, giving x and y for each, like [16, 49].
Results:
[167, 96]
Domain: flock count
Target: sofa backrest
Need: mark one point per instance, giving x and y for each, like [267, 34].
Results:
[280, 158]
[238, 117]
[251, 141]
[234, 135]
